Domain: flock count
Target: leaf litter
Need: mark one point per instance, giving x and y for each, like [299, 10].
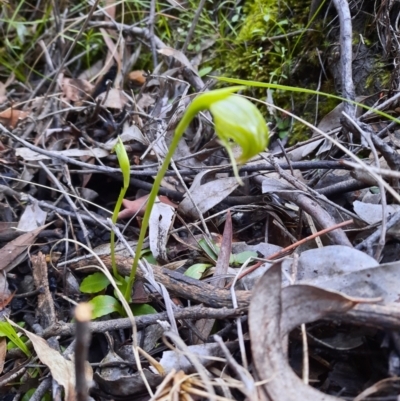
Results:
[285, 288]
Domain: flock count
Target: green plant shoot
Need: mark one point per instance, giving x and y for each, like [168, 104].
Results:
[125, 166]
[236, 119]
[6, 330]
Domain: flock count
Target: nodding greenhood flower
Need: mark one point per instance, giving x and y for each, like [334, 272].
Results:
[236, 119]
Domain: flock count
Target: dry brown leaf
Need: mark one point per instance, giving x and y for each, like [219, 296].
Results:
[207, 195]
[7, 231]
[45, 304]
[30, 155]
[62, 370]
[137, 77]
[91, 72]
[10, 117]
[4, 86]
[12, 253]
[113, 99]
[75, 89]
[178, 56]
[112, 49]
[221, 268]
[138, 206]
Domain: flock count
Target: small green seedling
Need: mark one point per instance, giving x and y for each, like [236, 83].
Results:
[6, 330]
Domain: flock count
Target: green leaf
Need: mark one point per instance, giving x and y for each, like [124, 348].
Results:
[27, 396]
[96, 282]
[196, 271]
[302, 90]
[147, 254]
[6, 330]
[241, 257]
[104, 305]
[211, 253]
[142, 309]
[205, 71]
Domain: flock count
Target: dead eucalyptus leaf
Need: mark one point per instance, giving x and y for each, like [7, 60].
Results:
[207, 196]
[178, 56]
[32, 218]
[118, 381]
[75, 89]
[161, 219]
[15, 251]
[10, 117]
[30, 155]
[320, 264]
[371, 213]
[113, 99]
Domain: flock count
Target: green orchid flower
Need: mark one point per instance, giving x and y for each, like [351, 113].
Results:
[236, 119]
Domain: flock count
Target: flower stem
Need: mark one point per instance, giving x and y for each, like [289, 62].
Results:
[180, 129]
[112, 236]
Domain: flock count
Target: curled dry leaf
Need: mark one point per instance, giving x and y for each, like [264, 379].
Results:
[15, 251]
[137, 77]
[273, 314]
[10, 117]
[207, 196]
[161, 219]
[113, 99]
[62, 370]
[178, 56]
[30, 155]
[138, 206]
[75, 89]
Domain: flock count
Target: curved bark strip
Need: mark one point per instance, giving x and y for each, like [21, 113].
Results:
[272, 314]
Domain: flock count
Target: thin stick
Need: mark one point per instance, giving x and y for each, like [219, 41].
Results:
[151, 32]
[83, 314]
[306, 367]
[193, 25]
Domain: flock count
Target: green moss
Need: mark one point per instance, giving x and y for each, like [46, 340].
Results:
[287, 60]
